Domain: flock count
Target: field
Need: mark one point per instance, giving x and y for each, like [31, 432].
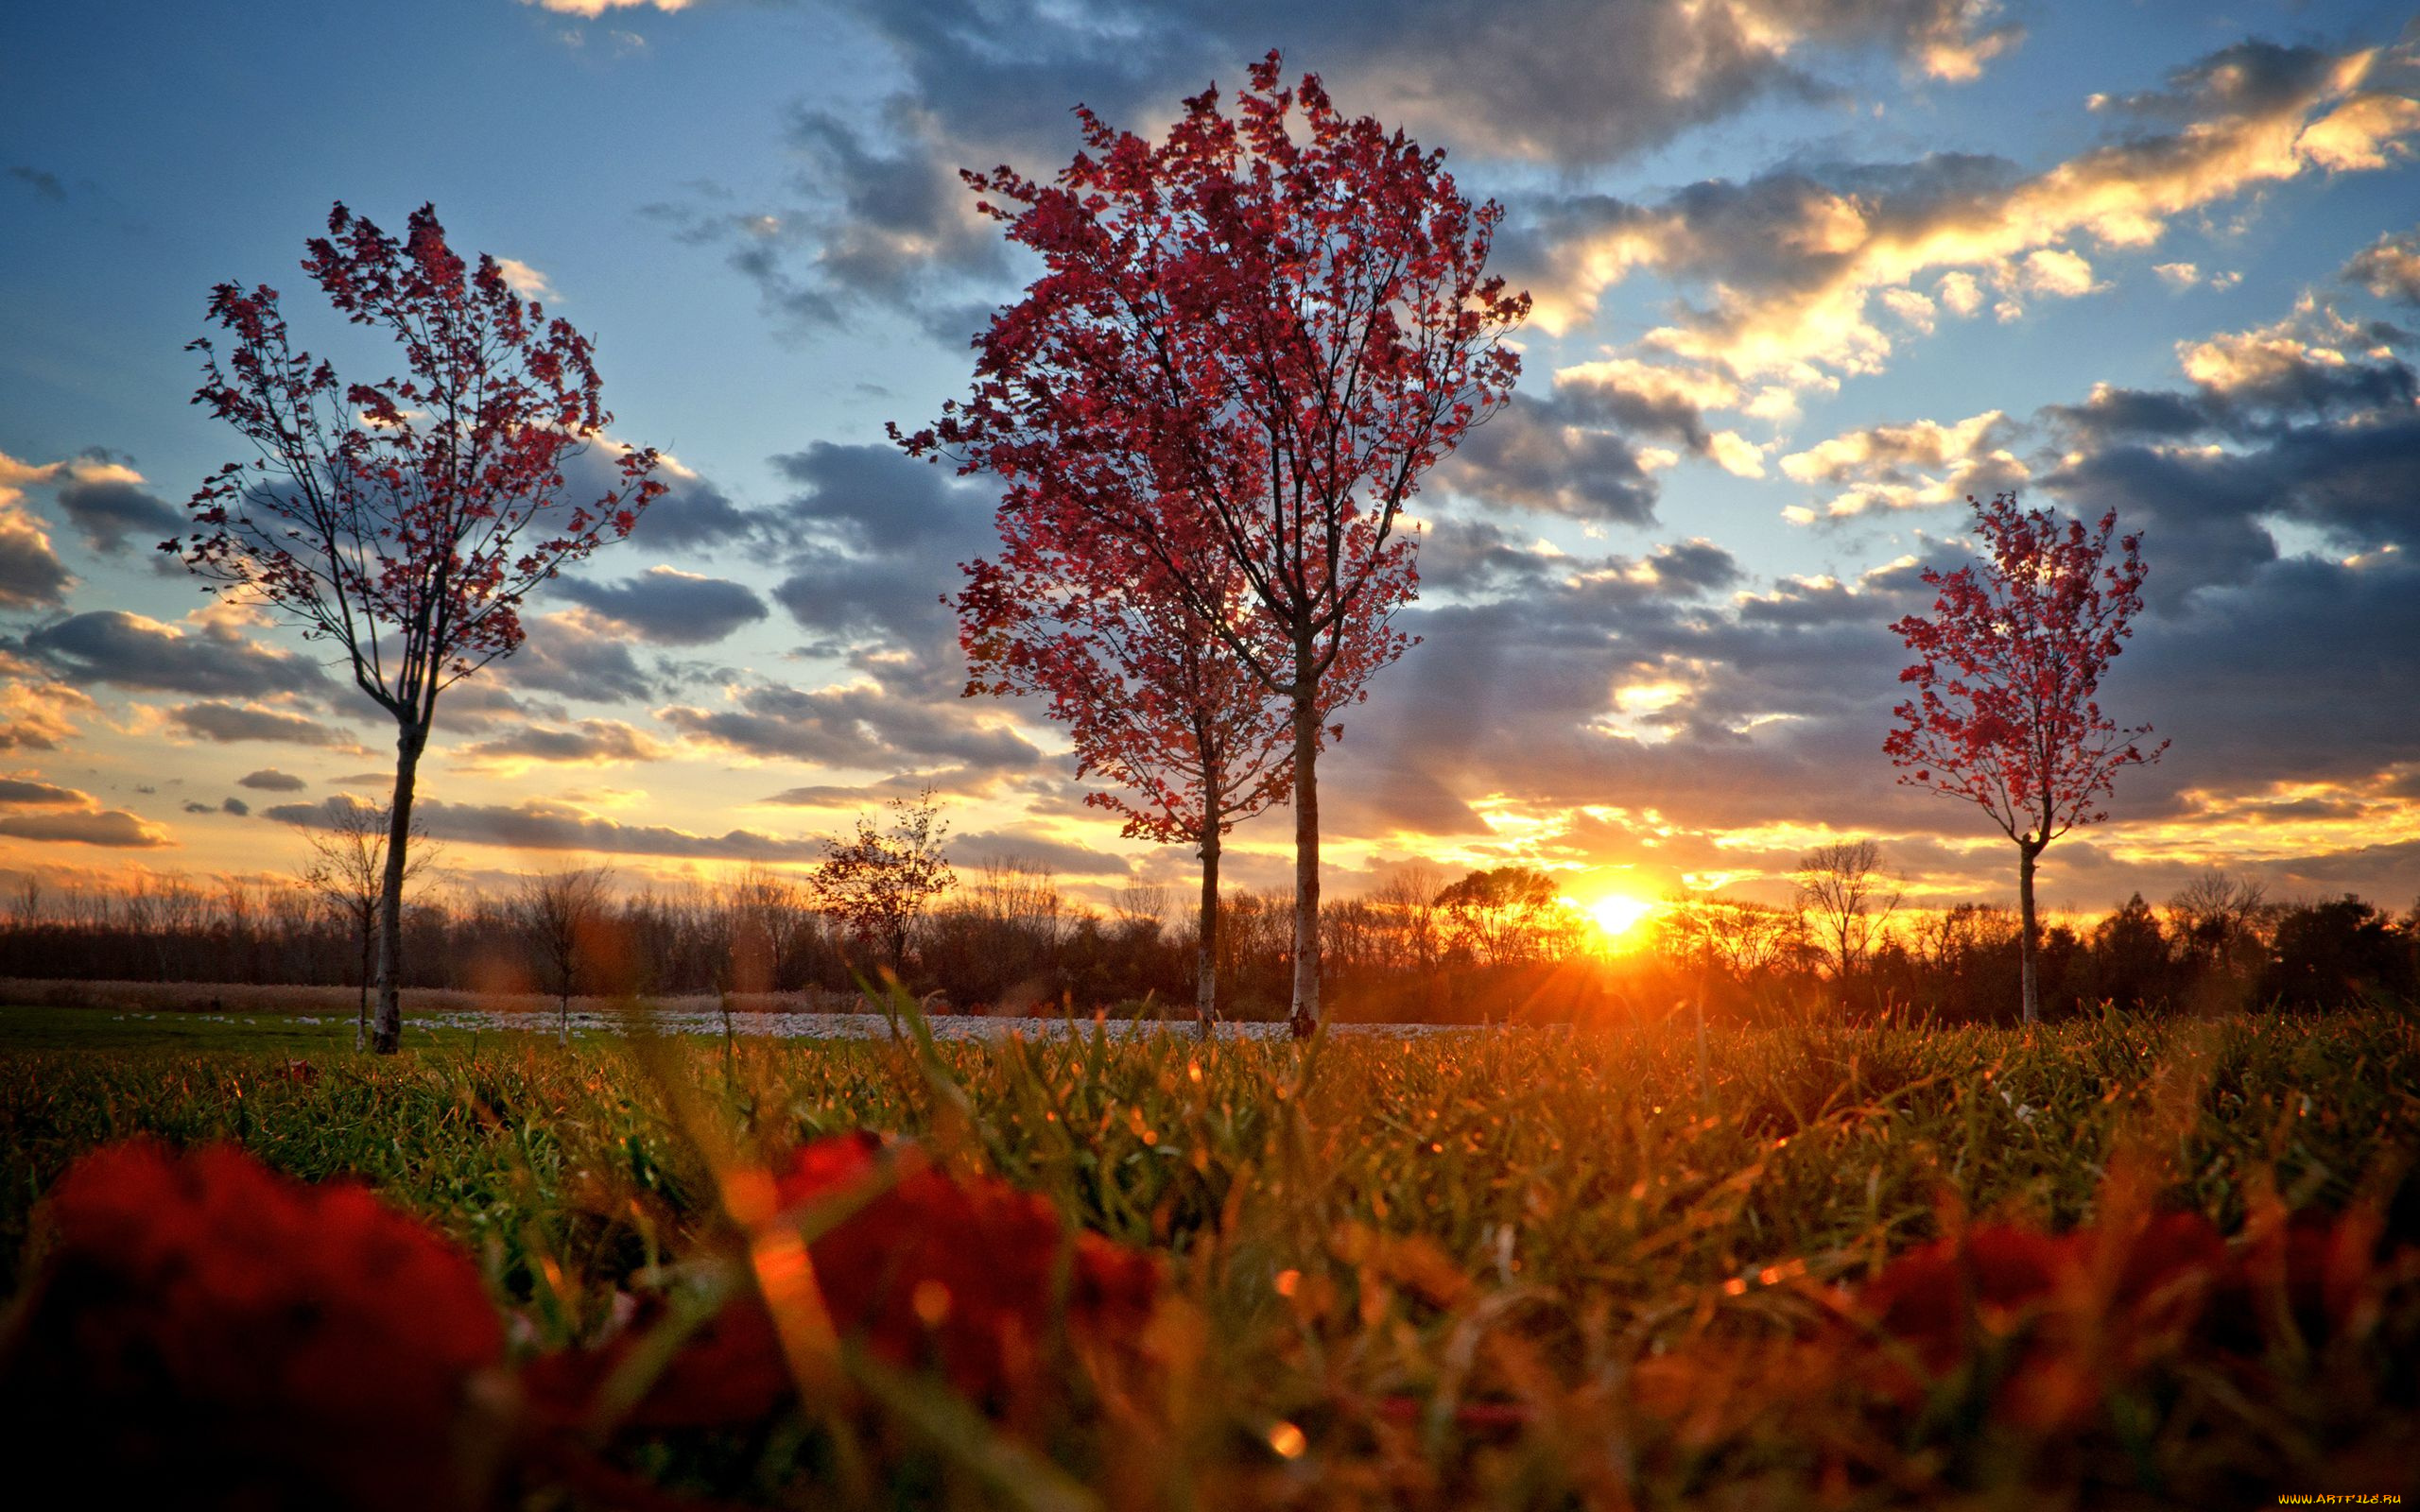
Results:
[1520, 1268]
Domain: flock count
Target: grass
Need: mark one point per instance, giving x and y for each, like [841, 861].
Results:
[1529, 1215]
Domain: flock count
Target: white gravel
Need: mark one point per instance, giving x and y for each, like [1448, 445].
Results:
[877, 1026]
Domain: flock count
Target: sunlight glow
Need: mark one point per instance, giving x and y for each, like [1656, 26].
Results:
[1617, 915]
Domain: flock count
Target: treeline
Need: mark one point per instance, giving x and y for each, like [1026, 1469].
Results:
[1492, 946]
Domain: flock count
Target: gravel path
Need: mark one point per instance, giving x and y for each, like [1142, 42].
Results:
[876, 1026]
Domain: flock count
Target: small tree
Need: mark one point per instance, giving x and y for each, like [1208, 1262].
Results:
[406, 520]
[1840, 888]
[1250, 342]
[876, 883]
[559, 913]
[347, 870]
[1153, 697]
[2011, 662]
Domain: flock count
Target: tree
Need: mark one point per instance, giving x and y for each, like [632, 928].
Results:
[1250, 342]
[405, 519]
[348, 869]
[876, 883]
[559, 913]
[1506, 915]
[2006, 713]
[1153, 699]
[1840, 887]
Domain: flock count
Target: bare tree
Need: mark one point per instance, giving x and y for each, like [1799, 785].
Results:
[347, 869]
[1842, 888]
[559, 913]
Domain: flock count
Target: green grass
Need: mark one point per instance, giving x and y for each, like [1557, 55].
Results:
[1596, 1189]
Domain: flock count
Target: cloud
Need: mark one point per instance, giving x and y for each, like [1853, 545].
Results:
[591, 10]
[1033, 844]
[1909, 465]
[576, 655]
[879, 539]
[526, 281]
[668, 607]
[691, 513]
[1553, 456]
[229, 723]
[35, 711]
[539, 824]
[111, 827]
[1790, 259]
[17, 792]
[108, 510]
[31, 575]
[2388, 268]
[877, 216]
[209, 655]
[270, 780]
[860, 726]
[593, 741]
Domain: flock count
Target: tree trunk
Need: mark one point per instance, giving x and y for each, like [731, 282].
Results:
[1205, 971]
[389, 1036]
[1306, 847]
[366, 929]
[2028, 949]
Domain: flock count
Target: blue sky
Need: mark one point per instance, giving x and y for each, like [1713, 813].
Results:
[1805, 274]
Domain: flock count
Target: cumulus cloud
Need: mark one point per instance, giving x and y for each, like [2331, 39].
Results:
[36, 713]
[65, 815]
[1909, 465]
[2388, 268]
[31, 575]
[877, 214]
[668, 607]
[114, 829]
[113, 514]
[1034, 845]
[209, 654]
[861, 726]
[1790, 260]
[592, 742]
[573, 654]
[270, 780]
[230, 723]
[17, 792]
[539, 824]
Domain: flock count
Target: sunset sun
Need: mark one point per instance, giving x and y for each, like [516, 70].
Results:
[1617, 915]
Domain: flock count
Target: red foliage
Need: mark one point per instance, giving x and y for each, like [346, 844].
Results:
[219, 1334]
[1152, 698]
[2084, 1313]
[1249, 343]
[2005, 714]
[959, 1275]
[405, 519]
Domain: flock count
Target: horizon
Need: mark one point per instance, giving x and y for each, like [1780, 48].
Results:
[1798, 290]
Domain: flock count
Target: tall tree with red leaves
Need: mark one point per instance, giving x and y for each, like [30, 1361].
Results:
[2005, 714]
[406, 520]
[1154, 701]
[1249, 343]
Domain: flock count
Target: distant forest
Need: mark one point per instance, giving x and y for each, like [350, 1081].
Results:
[1494, 946]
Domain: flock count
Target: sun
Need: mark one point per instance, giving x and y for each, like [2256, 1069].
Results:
[1617, 914]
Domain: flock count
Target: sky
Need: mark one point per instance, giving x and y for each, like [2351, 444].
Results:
[1805, 276]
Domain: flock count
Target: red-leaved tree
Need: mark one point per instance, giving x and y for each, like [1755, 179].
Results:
[405, 519]
[2005, 714]
[1154, 701]
[1249, 343]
